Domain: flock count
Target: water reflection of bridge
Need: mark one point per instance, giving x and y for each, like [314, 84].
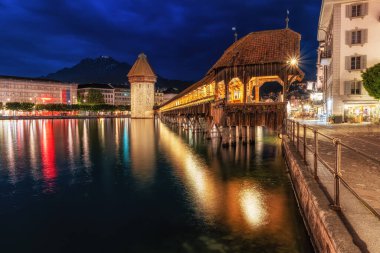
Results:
[242, 202]
[227, 100]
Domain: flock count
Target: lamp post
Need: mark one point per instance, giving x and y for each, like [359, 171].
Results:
[291, 63]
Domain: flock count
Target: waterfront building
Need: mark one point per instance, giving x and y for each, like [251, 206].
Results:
[107, 91]
[162, 97]
[168, 96]
[158, 98]
[122, 96]
[111, 95]
[348, 38]
[36, 90]
[142, 80]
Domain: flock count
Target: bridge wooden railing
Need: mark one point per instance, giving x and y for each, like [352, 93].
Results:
[174, 105]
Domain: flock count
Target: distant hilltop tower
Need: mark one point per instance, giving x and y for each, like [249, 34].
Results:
[142, 79]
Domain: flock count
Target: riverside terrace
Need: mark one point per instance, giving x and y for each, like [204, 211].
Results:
[228, 97]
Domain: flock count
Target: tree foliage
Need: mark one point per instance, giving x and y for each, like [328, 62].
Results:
[371, 81]
[94, 97]
[82, 107]
[17, 106]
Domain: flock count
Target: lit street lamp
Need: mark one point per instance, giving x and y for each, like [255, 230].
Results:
[293, 62]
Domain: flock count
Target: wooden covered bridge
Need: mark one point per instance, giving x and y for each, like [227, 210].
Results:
[227, 100]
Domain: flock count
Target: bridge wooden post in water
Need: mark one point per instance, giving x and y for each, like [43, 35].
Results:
[228, 97]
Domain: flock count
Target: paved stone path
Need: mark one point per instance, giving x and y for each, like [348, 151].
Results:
[361, 173]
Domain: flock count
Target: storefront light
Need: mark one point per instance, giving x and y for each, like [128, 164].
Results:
[288, 108]
[317, 96]
[329, 106]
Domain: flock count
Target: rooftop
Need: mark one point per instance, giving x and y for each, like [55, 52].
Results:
[261, 47]
[95, 86]
[142, 68]
[32, 79]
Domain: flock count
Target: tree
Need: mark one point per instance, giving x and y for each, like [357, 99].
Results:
[13, 106]
[371, 81]
[26, 106]
[94, 97]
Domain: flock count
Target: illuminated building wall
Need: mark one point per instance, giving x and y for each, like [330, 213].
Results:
[106, 90]
[142, 79]
[160, 97]
[39, 91]
[111, 95]
[349, 44]
[122, 96]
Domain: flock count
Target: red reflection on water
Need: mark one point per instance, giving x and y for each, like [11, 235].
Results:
[49, 169]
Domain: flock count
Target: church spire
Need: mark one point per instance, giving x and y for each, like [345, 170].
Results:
[287, 19]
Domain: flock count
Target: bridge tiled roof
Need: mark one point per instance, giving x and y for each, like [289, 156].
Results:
[261, 47]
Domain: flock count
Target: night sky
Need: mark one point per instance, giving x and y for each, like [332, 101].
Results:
[182, 38]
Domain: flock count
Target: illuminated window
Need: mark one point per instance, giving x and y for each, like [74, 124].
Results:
[356, 37]
[356, 62]
[236, 94]
[353, 87]
[356, 88]
[356, 10]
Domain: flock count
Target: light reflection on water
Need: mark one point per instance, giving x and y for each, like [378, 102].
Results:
[139, 186]
[143, 151]
[238, 201]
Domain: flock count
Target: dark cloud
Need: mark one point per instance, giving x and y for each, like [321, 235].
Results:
[182, 38]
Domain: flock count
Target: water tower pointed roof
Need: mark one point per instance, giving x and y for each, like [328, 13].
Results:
[141, 71]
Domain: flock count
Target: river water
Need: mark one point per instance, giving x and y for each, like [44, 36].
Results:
[121, 185]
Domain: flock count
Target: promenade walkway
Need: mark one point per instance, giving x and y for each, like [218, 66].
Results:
[360, 172]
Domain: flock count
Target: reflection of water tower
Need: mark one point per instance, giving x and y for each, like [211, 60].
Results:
[142, 79]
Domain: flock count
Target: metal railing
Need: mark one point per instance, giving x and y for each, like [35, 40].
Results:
[334, 167]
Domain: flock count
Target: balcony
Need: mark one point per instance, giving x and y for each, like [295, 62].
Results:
[326, 57]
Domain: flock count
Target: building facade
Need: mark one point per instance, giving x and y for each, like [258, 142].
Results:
[111, 95]
[162, 97]
[142, 80]
[35, 90]
[122, 96]
[349, 40]
[106, 90]
[158, 98]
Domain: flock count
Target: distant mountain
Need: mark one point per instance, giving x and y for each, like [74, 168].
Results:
[105, 69]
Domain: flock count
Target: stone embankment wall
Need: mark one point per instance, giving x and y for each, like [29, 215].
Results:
[327, 231]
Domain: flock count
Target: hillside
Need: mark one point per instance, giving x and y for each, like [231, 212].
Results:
[105, 69]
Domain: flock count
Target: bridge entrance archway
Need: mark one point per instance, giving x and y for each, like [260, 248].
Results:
[256, 83]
